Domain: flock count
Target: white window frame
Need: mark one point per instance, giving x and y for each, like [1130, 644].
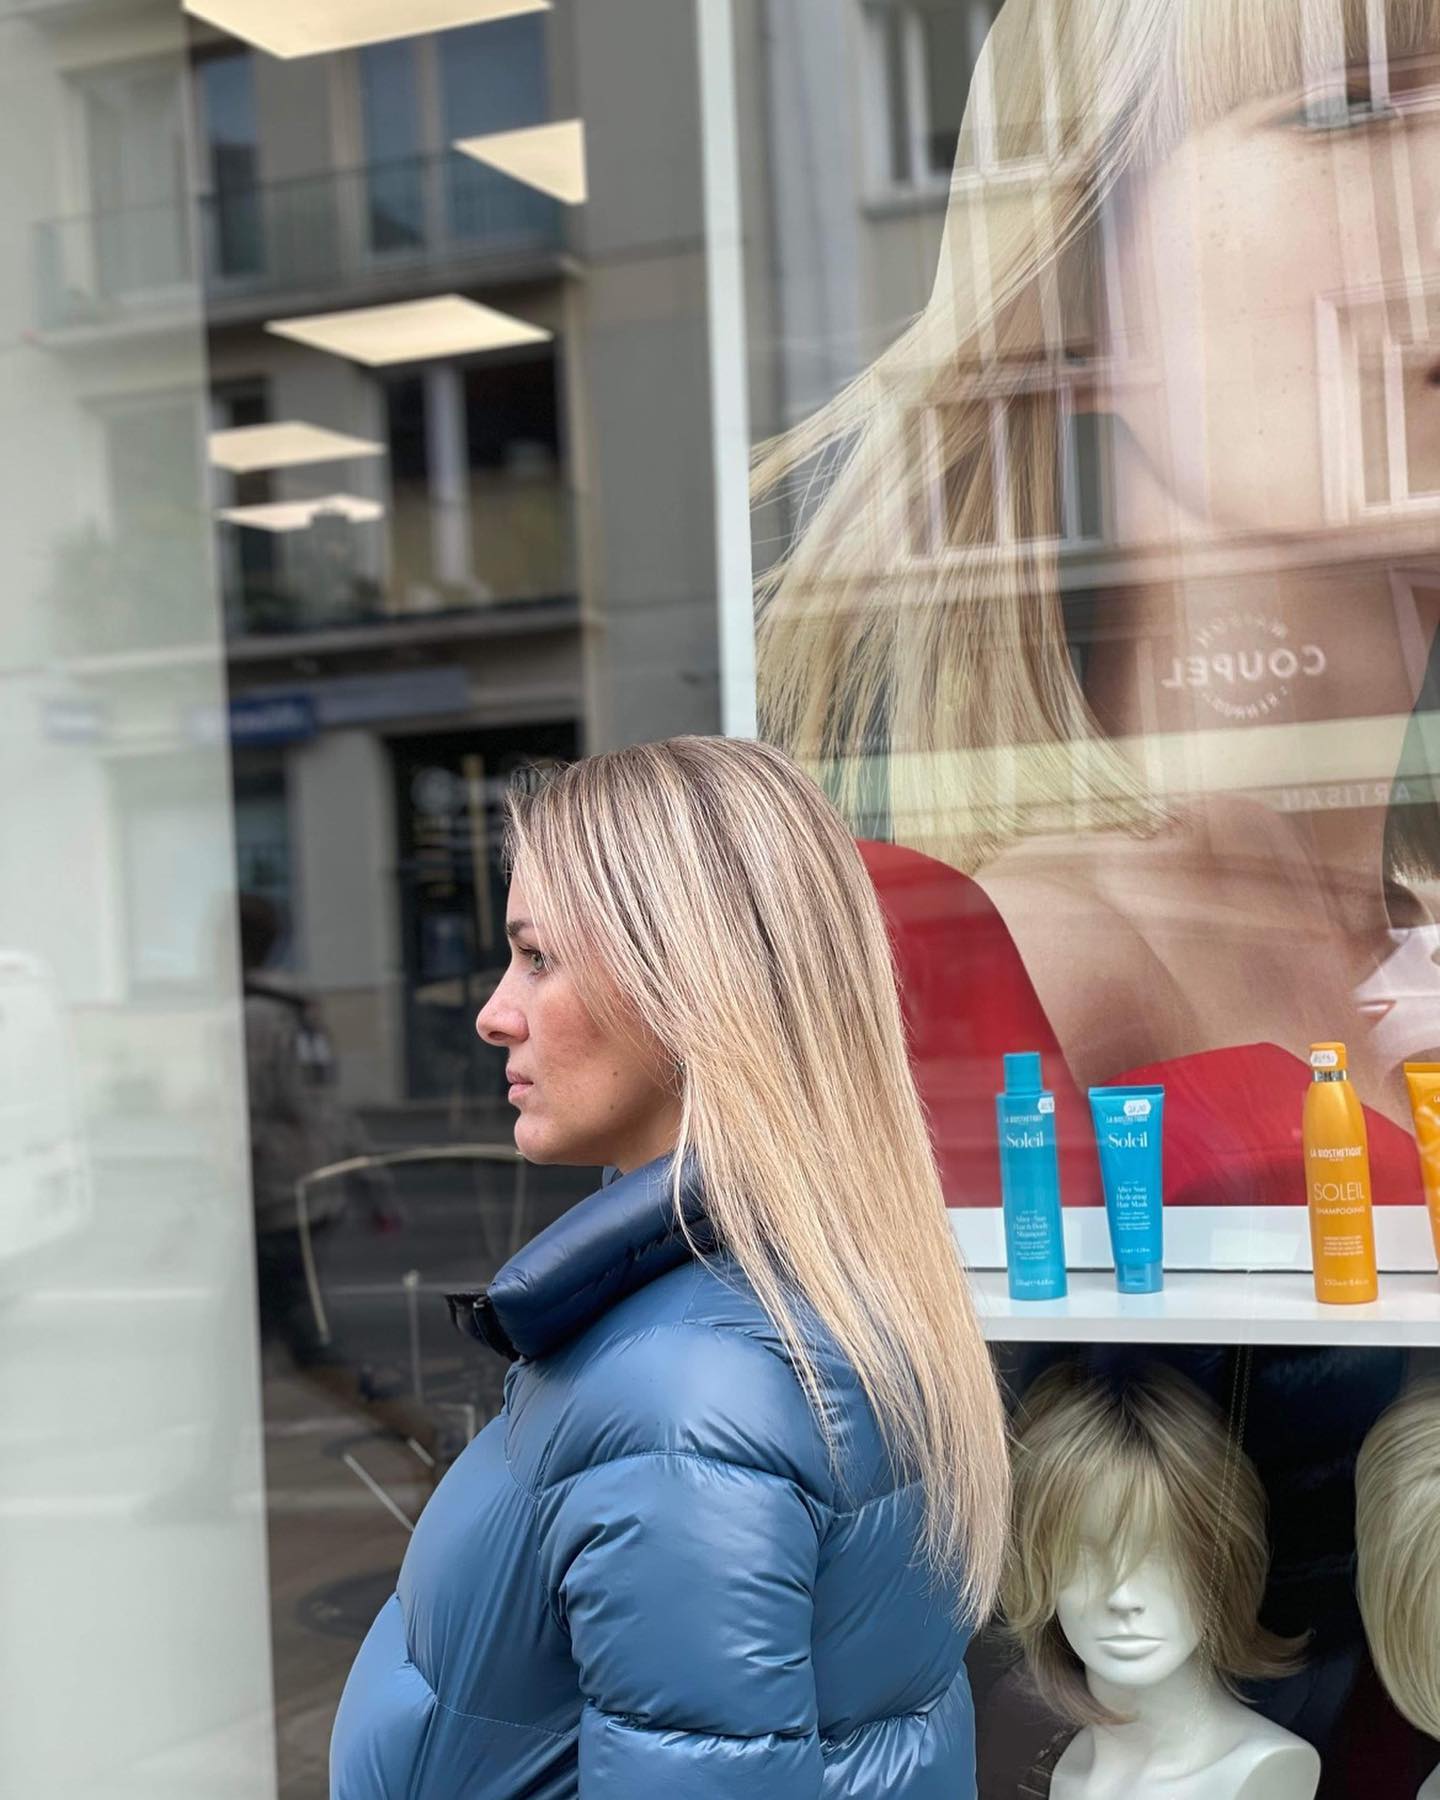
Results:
[876, 17]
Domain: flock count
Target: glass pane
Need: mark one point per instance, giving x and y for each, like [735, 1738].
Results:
[131, 1485]
[493, 78]
[394, 172]
[1123, 673]
[227, 108]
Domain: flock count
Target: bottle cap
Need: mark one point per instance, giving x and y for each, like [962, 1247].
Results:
[1140, 1277]
[1327, 1056]
[1022, 1072]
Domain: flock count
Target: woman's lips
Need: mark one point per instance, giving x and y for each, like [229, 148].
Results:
[517, 1088]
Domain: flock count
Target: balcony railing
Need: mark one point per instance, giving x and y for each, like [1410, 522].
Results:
[329, 234]
[521, 548]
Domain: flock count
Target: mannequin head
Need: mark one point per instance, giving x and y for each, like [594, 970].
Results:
[1124, 1608]
[1138, 1540]
[1397, 1541]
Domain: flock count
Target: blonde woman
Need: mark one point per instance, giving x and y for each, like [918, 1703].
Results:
[1114, 582]
[747, 1495]
[1134, 1592]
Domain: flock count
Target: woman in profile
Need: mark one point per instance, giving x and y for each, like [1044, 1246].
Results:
[747, 1496]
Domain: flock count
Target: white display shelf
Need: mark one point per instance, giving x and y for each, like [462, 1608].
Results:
[1211, 1307]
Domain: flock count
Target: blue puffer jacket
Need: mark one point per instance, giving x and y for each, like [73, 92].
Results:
[641, 1581]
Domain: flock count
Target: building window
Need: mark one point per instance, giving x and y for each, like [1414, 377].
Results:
[983, 491]
[230, 149]
[394, 145]
[135, 150]
[1376, 397]
[493, 77]
[922, 56]
[480, 502]
[248, 575]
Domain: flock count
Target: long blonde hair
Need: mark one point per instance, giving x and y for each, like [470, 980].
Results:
[912, 635]
[1156, 1452]
[707, 896]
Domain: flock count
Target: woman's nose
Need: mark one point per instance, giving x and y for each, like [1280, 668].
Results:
[498, 1022]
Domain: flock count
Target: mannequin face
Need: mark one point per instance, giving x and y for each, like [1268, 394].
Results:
[1127, 1620]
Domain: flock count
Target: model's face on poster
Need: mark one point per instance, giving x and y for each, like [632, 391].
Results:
[1278, 254]
[1123, 1609]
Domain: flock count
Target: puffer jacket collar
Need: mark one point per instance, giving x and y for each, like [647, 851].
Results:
[605, 1247]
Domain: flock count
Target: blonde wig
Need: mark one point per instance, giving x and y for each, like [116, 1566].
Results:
[911, 637]
[1176, 1483]
[708, 898]
[1397, 1541]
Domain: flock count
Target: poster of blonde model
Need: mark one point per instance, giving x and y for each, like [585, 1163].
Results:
[1109, 610]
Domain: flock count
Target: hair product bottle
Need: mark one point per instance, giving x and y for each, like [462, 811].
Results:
[1030, 1182]
[1423, 1081]
[1337, 1183]
[1129, 1124]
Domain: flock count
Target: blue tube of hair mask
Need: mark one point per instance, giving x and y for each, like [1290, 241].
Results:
[1128, 1127]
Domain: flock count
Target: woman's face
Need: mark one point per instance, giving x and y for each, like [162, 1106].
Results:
[584, 1095]
[1129, 1625]
[1281, 352]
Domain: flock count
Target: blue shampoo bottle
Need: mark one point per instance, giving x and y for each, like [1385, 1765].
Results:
[1030, 1182]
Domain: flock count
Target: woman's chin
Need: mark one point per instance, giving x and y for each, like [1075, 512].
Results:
[536, 1143]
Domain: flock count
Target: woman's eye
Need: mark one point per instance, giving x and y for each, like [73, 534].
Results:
[536, 959]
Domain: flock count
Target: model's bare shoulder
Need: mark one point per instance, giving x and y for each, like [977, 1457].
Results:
[1079, 911]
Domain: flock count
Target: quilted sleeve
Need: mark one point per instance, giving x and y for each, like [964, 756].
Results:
[686, 1585]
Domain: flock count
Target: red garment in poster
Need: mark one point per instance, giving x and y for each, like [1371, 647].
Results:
[1232, 1116]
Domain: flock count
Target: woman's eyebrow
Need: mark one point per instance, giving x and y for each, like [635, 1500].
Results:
[513, 927]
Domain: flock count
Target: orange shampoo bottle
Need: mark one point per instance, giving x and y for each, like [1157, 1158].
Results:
[1337, 1182]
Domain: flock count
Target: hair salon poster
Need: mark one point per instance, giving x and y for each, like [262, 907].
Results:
[1109, 605]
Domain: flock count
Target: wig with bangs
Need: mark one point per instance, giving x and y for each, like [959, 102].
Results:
[1397, 1541]
[912, 640]
[1177, 1485]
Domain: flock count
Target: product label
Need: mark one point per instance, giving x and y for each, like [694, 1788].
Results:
[1324, 1059]
[1138, 1108]
[1339, 1196]
[1130, 1208]
[1030, 1233]
[1047, 1103]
